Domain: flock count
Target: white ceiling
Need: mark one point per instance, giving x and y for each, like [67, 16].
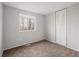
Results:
[40, 7]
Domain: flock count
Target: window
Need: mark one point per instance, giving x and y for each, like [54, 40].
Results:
[27, 23]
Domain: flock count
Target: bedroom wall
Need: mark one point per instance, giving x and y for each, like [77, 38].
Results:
[50, 27]
[45, 29]
[73, 27]
[1, 51]
[11, 35]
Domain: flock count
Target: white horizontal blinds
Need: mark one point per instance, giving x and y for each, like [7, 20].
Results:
[32, 23]
[27, 23]
[21, 23]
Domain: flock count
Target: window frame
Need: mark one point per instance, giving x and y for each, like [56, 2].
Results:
[33, 18]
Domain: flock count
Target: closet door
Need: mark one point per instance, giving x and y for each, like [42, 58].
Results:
[61, 27]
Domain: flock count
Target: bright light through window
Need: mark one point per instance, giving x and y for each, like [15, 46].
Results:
[27, 23]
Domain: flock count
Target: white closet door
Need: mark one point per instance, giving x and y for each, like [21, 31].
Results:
[61, 27]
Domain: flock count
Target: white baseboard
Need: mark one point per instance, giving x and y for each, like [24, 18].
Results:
[27, 43]
[73, 49]
[51, 41]
[64, 46]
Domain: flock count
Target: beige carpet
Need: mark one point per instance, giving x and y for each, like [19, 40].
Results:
[40, 49]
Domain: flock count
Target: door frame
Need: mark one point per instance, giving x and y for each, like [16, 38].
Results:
[66, 26]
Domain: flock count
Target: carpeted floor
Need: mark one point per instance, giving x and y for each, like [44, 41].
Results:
[41, 49]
